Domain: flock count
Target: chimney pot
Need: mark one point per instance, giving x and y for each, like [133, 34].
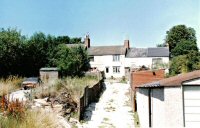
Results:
[126, 44]
[87, 41]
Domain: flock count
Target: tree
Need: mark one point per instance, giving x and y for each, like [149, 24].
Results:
[36, 53]
[68, 40]
[11, 47]
[185, 63]
[71, 61]
[178, 33]
[184, 47]
[24, 56]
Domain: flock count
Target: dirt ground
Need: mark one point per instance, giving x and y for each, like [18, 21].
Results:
[113, 109]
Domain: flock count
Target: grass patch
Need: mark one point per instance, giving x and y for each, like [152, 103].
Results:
[10, 84]
[136, 120]
[16, 115]
[75, 86]
[32, 119]
[105, 119]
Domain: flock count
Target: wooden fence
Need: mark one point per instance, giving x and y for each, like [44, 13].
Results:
[90, 95]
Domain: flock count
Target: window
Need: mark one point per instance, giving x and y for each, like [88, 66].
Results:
[116, 58]
[116, 69]
[91, 58]
[107, 69]
[157, 63]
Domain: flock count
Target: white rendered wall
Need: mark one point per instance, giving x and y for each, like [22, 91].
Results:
[157, 106]
[142, 107]
[173, 107]
[101, 62]
[167, 107]
[146, 61]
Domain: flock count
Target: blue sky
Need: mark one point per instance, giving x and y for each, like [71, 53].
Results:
[108, 22]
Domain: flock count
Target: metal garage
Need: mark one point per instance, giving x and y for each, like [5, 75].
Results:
[192, 103]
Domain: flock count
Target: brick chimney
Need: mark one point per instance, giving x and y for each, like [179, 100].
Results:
[87, 41]
[126, 44]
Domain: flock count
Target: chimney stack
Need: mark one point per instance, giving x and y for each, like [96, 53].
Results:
[87, 41]
[126, 44]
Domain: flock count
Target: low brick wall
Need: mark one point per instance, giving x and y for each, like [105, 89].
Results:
[90, 95]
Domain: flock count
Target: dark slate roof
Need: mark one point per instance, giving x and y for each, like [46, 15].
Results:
[175, 80]
[158, 52]
[107, 50]
[148, 52]
[136, 52]
[75, 45]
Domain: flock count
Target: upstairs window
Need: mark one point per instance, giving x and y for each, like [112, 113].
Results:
[116, 57]
[116, 69]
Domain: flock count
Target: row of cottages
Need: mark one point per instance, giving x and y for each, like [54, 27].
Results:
[116, 61]
[170, 102]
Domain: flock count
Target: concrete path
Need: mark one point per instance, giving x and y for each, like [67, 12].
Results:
[113, 109]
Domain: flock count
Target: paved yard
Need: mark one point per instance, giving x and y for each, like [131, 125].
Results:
[113, 109]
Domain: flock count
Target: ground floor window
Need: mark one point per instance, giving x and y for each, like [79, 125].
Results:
[91, 58]
[157, 63]
[107, 69]
[116, 69]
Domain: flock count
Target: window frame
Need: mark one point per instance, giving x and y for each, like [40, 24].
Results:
[116, 69]
[116, 58]
[91, 58]
[156, 61]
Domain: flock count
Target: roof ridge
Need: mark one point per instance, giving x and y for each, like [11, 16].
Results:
[109, 46]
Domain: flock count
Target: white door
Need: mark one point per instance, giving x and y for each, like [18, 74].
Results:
[192, 106]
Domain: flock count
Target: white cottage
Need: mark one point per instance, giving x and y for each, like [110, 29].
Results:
[171, 102]
[117, 61]
[152, 58]
[110, 59]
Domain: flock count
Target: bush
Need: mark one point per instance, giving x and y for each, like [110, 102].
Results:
[13, 109]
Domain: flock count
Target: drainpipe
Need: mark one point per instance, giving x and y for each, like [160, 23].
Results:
[149, 96]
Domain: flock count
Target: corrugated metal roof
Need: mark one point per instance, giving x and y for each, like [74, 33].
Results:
[107, 50]
[153, 84]
[49, 69]
[158, 52]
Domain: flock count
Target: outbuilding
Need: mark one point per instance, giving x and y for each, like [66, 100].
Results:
[170, 102]
[47, 74]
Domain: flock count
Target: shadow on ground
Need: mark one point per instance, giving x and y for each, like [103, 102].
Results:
[91, 107]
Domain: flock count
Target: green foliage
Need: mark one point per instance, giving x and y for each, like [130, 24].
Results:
[24, 56]
[178, 33]
[71, 61]
[161, 45]
[185, 63]
[11, 46]
[184, 47]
